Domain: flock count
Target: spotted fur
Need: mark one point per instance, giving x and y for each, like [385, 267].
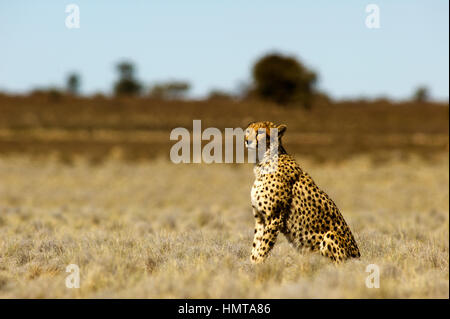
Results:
[285, 199]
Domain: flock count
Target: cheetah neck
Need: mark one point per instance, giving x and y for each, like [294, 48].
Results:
[268, 163]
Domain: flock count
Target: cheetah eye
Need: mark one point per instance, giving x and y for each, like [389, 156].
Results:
[260, 132]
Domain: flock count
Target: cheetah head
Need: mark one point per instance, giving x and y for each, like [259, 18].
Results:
[260, 132]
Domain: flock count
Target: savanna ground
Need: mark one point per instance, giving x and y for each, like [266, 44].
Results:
[87, 185]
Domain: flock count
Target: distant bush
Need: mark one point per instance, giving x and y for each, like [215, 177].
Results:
[219, 95]
[73, 84]
[170, 91]
[51, 94]
[127, 83]
[421, 94]
[99, 96]
[321, 99]
[283, 80]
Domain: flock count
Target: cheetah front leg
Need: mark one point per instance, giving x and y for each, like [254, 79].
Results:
[259, 232]
[265, 236]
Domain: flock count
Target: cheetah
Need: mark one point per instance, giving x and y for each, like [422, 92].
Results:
[285, 199]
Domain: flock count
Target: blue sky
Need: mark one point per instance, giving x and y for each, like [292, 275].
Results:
[213, 44]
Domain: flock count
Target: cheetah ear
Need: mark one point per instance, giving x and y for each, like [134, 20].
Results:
[250, 124]
[281, 129]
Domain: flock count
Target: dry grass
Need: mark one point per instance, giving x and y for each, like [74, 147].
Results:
[155, 229]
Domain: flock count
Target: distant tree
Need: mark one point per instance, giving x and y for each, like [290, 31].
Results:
[157, 91]
[219, 95]
[127, 83]
[177, 90]
[73, 84]
[283, 80]
[98, 96]
[170, 91]
[421, 94]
